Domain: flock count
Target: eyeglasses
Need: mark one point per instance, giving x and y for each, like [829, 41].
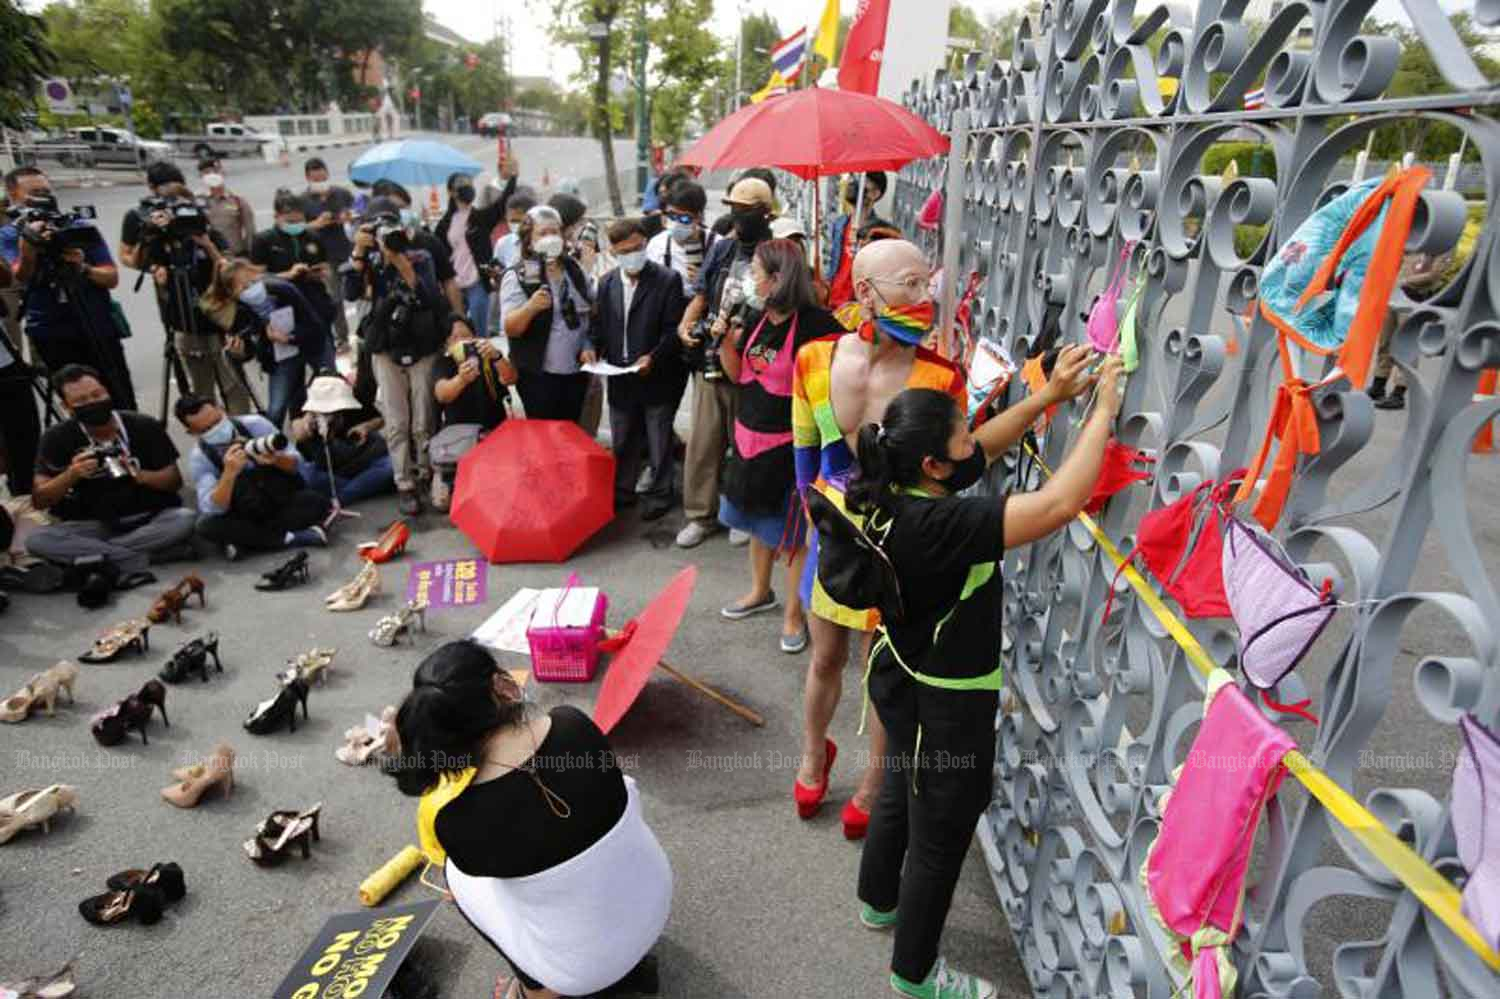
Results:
[915, 285]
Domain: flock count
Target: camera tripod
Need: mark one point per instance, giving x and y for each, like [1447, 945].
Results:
[179, 289]
[69, 283]
[19, 371]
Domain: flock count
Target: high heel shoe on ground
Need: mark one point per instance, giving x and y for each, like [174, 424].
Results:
[270, 714]
[354, 594]
[216, 771]
[281, 831]
[310, 667]
[40, 691]
[165, 878]
[390, 544]
[856, 821]
[58, 985]
[389, 629]
[810, 799]
[371, 740]
[193, 658]
[111, 726]
[115, 907]
[134, 634]
[286, 575]
[35, 807]
[172, 601]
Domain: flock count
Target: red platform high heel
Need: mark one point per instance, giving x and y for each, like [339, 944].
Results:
[810, 798]
[391, 543]
[856, 821]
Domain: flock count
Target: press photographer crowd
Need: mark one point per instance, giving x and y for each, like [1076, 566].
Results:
[353, 350]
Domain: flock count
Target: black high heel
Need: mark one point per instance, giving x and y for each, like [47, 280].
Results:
[273, 824]
[165, 878]
[110, 727]
[275, 837]
[286, 575]
[114, 907]
[193, 658]
[269, 715]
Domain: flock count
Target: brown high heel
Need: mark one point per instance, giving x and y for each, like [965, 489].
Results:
[218, 771]
[172, 601]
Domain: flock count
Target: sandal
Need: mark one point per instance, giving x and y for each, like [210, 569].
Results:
[309, 667]
[389, 629]
[286, 575]
[57, 985]
[372, 740]
[133, 634]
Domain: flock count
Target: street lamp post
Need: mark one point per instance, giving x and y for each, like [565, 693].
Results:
[642, 112]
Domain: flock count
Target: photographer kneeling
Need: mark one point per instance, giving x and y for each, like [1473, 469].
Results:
[250, 495]
[110, 478]
[402, 333]
[473, 391]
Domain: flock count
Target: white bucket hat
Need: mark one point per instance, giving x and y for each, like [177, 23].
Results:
[330, 394]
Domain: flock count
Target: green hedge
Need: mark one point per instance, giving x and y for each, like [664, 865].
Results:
[1255, 159]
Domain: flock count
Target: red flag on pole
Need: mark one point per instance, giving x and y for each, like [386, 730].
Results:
[863, 50]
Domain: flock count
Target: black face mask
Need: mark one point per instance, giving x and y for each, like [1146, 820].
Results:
[94, 414]
[966, 472]
[464, 193]
[750, 225]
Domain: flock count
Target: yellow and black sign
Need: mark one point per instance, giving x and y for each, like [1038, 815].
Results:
[357, 953]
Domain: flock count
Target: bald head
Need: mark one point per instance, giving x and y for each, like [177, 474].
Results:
[892, 272]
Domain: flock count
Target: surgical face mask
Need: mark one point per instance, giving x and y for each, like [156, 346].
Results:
[464, 193]
[254, 294]
[292, 228]
[753, 297]
[219, 434]
[213, 180]
[683, 232]
[318, 186]
[94, 414]
[967, 471]
[550, 247]
[632, 262]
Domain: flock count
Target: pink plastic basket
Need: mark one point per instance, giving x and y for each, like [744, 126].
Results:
[568, 655]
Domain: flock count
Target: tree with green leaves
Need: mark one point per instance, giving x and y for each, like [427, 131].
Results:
[26, 58]
[1417, 74]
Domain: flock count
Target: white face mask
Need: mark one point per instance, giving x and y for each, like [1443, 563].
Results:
[254, 294]
[633, 262]
[220, 433]
[550, 247]
[752, 297]
[213, 180]
[683, 233]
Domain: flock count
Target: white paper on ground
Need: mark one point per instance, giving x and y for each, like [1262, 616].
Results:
[571, 608]
[505, 629]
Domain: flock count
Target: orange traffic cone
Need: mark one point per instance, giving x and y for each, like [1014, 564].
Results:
[434, 207]
[1484, 441]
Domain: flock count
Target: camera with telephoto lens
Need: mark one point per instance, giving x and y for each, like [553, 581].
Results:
[111, 458]
[47, 227]
[172, 218]
[265, 446]
[734, 298]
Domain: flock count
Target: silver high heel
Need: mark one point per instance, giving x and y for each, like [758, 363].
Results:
[389, 629]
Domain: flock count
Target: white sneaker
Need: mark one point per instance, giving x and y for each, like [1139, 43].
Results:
[693, 534]
[442, 493]
[739, 538]
[644, 481]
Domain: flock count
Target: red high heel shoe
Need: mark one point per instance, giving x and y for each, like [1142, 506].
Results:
[810, 798]
[856, 821]
[391, 543]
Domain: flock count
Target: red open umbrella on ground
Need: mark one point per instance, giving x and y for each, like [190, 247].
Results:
[816, 132]
[637, 650]
[533, 491]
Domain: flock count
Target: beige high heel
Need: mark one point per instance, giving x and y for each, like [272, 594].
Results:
[360, 747]
[61, 676]
[309, 667]
[34, 807]
[354, 594]
[17, 707]
[217, 771]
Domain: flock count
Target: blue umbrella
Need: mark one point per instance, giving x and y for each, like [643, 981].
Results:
[412, 161]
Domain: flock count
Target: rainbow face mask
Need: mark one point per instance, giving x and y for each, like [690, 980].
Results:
[906, 324]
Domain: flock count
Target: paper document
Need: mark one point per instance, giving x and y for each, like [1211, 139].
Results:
[606, 370]
[282, 321]
[572, 608]
[505, 629]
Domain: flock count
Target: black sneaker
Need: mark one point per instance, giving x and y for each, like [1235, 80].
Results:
[1377, 390]
[409, 502]
[1396, 400]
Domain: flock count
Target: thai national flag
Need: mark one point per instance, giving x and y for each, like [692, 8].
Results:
[788, 54]
[1255, 99]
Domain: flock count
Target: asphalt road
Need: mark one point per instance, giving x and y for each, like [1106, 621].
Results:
[763, 905]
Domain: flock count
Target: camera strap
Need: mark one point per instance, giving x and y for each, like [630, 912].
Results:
[119, 428]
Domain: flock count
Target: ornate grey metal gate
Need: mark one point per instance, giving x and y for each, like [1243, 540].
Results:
[1072, 147]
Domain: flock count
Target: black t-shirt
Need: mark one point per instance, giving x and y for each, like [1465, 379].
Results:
[474, 404]
[504, 828]
[102, 497]
[942, 547]
[131, 226]
[200, 276]
[278, 252]
[335, 241]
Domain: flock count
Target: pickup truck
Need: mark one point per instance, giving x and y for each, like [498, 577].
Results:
[91, 146]
[222, 139]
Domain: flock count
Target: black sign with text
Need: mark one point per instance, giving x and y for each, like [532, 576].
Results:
[357, 953]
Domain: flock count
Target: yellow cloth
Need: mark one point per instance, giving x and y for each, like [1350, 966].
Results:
[428, 807]
[827, 42]
[775, 85]
[373, 889]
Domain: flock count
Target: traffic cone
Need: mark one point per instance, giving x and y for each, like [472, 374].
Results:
[1484, 441]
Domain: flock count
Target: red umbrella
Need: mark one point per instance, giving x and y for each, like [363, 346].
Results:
[533, 491]
[637, 649]
[816, 132]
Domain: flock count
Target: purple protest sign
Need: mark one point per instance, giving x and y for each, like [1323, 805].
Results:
[458, 582]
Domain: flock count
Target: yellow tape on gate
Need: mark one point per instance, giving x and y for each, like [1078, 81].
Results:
[1433, 890]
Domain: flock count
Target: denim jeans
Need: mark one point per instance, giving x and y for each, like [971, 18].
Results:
[375, 480]
[289, 379]
[477, 305]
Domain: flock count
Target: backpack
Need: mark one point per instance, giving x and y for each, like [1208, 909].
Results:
[852, 567]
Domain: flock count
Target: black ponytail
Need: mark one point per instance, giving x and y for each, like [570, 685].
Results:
[917, 423]
[449, 714]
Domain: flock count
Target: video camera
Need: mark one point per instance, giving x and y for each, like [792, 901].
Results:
[389, 234]
[58, 230]
[172, 218]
